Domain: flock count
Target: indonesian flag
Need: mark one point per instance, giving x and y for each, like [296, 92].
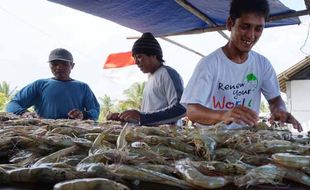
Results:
[117, 60]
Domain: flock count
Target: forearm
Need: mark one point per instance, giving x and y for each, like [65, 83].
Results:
[276, 104]
[15, 107]
[200, 114]
[168, 115]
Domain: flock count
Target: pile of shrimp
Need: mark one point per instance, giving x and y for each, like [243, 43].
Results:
[83, 154]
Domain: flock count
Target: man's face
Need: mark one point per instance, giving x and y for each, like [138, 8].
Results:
[246, 31]
[147, 64]
[61, 69]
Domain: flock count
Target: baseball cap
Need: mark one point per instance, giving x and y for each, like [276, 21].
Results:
[60, 54]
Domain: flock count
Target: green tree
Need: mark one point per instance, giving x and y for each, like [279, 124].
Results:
[264, 107]
[106, 107]
[5, 89]
[5, 94]
[3, 100]
[133, 96]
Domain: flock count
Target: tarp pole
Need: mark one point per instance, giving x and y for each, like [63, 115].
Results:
[200, 15]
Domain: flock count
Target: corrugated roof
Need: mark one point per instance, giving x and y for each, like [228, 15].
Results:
[291, 72]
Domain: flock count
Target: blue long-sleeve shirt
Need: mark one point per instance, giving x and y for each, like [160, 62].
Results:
[53, 99]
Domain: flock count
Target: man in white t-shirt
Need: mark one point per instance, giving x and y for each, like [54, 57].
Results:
[227, 84]
[163, 90]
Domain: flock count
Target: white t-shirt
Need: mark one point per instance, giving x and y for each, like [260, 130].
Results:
[220, 84]
[161, 98]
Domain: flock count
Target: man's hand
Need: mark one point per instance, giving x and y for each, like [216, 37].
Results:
[285, 117]
[75, 114]
[28, 114]
[113, 116]
[241, 115]
[130, 116]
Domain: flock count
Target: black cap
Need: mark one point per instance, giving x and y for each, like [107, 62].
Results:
[147, 44]
[60, 54]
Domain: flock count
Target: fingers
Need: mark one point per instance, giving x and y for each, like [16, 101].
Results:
[75, 114]
[285, 117]
[113, 116]
[242, 115]
[294, 122]
[130, 116]
[30, 115]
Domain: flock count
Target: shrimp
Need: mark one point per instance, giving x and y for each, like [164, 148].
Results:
[100, 144]
[194, 177]
[43, 174]
[132, 173]
[220, 168]
[172, 154]
[151, 131]
[275, 146]
[291, 160]
[272, 174]
[232, 155]
[204, 145]
[90, 184]
[55, 156]
[121, 140]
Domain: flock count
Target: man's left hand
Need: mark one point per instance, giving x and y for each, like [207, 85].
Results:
[285, 117]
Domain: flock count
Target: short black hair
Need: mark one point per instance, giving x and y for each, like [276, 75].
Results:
[238, 7]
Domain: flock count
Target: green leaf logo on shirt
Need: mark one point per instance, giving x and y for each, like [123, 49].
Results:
[251, 77]
[252, 81]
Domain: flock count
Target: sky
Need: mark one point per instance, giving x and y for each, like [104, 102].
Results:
[31, 29]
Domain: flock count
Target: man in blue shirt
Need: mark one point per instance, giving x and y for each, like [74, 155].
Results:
[60, 97]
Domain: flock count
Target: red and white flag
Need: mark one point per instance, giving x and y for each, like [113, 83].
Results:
[118, 60]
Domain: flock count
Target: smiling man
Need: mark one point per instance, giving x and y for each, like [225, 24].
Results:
[227, 84]
[60, 97]
[163, 90]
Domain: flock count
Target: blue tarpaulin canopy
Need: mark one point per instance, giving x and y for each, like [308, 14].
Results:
[168, 17]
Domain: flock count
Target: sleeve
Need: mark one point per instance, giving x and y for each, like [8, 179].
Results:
[270, 83]
[173, 87]
[92, 107]
[199, 86]
[24, 99]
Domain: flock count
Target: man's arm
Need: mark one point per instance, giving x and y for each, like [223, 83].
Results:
[168, 115]
[278, 113]
[239, 114]
[24, 99]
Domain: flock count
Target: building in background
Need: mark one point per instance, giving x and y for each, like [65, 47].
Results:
[295, 82]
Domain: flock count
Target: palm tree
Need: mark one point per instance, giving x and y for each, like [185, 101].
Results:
[5, 89]
[106, 107]
[5, 94]
[3, 100]
[134, 96]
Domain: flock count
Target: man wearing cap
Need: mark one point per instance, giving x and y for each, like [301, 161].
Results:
[163, 90]
[60, 97]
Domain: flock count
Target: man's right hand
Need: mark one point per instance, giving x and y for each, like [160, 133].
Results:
[241, 115]
[28, 114]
